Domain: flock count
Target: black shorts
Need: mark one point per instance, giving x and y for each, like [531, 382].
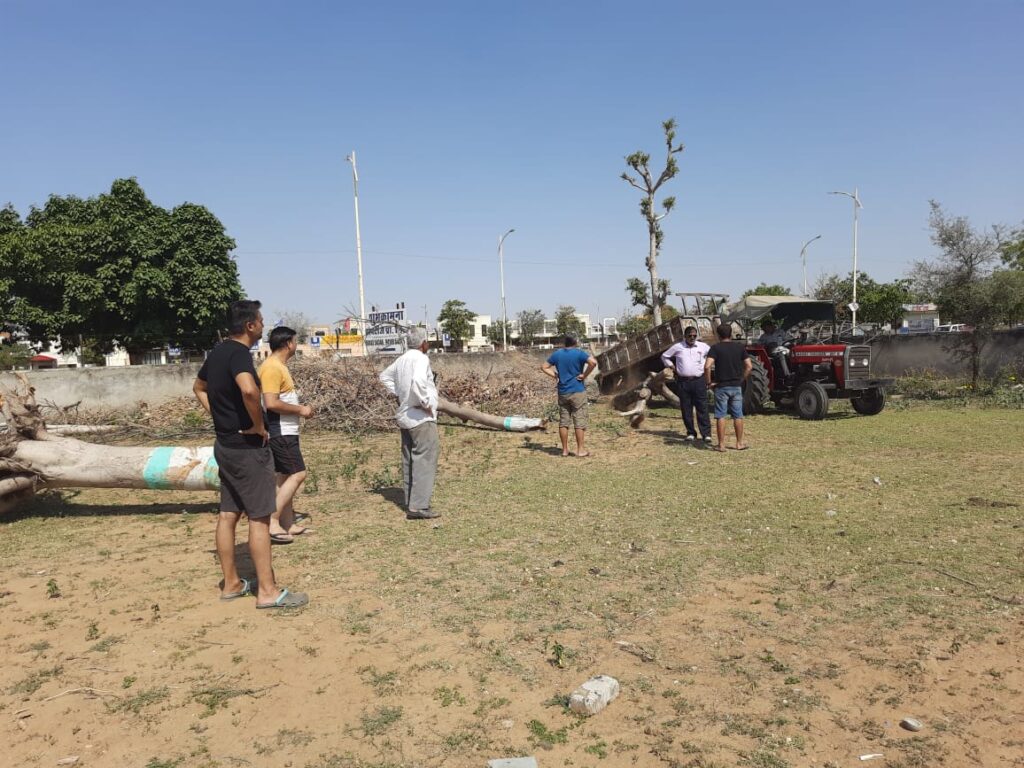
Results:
[246, 480]
[287, 455]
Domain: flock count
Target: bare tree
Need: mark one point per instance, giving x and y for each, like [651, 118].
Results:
[297, 321]
[640, 162]
[959, 281]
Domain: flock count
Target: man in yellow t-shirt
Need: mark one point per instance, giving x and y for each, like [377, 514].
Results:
[281, 402]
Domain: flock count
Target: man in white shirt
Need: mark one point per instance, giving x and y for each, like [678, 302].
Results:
[411, 380]
[687, 360]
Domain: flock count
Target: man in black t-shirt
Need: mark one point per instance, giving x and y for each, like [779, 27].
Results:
[228, 388]
[727, 366]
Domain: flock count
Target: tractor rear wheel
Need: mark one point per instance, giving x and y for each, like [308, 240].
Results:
[870, 403]
[755, 390]
[811, 401]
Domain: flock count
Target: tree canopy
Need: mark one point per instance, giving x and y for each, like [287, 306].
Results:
[494, 332]
[531, 325]
[1012, 250]
[116, 268]
[879, 302]
[764, 289]
[456, 319]
[567, 322]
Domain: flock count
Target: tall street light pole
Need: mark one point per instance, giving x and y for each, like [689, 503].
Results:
[856, 205]
[504, 313]
[359, 248]
[803, 259]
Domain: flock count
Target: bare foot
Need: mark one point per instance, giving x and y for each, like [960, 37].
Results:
[720, 449]
[583, 455]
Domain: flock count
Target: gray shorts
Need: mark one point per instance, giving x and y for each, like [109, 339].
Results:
[247, 482]
[572, 410]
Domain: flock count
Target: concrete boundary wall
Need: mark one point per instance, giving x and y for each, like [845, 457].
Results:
[125, 386]
[109, 387]
[153, 384]
[898, 355]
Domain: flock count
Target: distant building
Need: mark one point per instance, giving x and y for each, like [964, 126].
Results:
[919, 318]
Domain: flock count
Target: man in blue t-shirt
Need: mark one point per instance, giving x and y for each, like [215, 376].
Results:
[570, 367]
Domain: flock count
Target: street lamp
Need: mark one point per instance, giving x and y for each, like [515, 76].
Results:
[501, 268]
[803, 258]
[856, 205]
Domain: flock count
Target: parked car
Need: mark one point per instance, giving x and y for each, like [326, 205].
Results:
[954, 328]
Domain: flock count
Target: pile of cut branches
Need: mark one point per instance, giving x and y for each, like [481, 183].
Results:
[346, 396]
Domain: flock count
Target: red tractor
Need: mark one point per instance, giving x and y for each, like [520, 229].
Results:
[810, 366]
[801, 373]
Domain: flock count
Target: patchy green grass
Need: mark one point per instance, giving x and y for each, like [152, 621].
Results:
[749, 603]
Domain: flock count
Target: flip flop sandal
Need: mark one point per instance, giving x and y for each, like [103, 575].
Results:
[281, 538]
[301, 516]
[286, 600]
[248, 588]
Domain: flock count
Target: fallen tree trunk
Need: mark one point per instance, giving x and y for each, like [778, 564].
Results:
[507, 423]
[32, 458]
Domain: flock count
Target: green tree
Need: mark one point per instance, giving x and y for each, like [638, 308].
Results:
[960, 280]
[879, 302]
[630, 326]
[494, 332]
[649, 185]
[531, 324]
[640, 295]
[763, 289]
[14, 356]
[1005, 290]
[456, 319]
[883, 302]
[1011, 248]
[117, 269]
[567, 322]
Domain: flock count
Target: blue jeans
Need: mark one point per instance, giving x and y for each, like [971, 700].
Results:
[729, 400]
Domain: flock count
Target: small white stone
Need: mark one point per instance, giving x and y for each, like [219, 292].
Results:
[911, 724]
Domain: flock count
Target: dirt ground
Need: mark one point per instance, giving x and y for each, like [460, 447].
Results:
[764, 634]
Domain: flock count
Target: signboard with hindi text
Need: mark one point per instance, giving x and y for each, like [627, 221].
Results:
[386, 330]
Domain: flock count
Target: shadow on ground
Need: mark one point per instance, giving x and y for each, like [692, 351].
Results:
[550, 450]
[395, 495]
[63, 504]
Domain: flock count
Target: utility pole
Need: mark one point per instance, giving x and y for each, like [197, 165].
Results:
[359, 249]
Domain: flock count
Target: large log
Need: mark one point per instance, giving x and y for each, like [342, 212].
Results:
[507, 423]
[33, 458]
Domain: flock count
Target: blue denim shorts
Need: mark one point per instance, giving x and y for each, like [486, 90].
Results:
[729, 400]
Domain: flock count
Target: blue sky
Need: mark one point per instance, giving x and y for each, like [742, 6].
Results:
[470, 118]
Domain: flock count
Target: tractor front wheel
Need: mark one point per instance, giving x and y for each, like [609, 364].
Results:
[755, 390]
[870, 403]
[811, 401]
